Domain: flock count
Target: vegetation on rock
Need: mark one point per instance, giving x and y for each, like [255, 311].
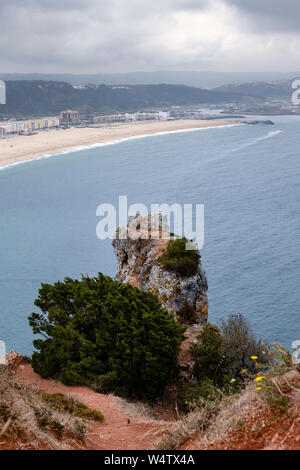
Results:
[180, 260]
[105, 334]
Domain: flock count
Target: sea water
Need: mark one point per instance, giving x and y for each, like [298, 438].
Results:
[247, 177]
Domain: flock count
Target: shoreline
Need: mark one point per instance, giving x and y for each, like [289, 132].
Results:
[21, 149]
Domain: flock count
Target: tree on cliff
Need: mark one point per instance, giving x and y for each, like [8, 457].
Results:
[106, 334]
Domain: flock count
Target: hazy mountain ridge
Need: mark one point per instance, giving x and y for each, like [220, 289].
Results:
[205, 79]
[26, 98]
[259, 90]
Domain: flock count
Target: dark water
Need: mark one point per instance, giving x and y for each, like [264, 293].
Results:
[248, 177]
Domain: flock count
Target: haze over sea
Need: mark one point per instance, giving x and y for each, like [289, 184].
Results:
[248, 178]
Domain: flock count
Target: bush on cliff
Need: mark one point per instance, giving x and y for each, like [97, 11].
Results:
[180, 260]
[224, 354]
[99, 331]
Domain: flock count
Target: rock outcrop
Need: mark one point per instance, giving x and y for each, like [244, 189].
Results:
[138, 247]
[13, 359]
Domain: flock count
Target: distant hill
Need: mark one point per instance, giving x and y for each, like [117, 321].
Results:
[205, 79]
[35, 98]
[259, 90]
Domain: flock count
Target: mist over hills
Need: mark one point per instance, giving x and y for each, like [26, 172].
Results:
[205, 79]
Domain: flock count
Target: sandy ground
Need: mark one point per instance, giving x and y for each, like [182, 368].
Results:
[23, 148]
[114, 433]
[263, 428]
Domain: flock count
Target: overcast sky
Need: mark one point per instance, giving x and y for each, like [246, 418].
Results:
[90, 36]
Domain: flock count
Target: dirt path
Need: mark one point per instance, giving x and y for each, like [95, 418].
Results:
[115, 433]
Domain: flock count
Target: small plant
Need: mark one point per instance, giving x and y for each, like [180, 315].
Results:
[5, 412]
[59, 402]
[43, 416]
[78, 429]
[180, 260]
[191, 397]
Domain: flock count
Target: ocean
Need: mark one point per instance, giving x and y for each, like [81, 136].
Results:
[247, 177]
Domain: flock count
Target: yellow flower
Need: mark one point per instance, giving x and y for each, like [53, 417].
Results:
[258, 388]
[282, 351]
[264, 352]
[254, 358]
[243, 371]
[229, 413]
[258, 379]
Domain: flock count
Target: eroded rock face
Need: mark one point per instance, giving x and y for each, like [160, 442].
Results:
[13, 359]
[137, 257]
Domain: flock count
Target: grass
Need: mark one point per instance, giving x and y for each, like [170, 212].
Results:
[62, 403]
[31, 420]
[210, 426]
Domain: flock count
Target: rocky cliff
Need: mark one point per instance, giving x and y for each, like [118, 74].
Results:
[138, 247]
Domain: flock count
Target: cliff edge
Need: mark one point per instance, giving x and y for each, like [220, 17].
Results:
[138, 247]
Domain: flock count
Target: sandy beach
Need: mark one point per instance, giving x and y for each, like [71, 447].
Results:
[23, 148]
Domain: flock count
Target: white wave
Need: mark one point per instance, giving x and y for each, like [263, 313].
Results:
[269, 135]
[113, 142]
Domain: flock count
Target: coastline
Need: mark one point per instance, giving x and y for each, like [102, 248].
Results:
[20, 149]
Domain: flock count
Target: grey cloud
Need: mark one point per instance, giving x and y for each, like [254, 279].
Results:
[270, 15]
[128, 35]
[191, 4]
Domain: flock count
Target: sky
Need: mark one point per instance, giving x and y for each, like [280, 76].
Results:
[107, 36]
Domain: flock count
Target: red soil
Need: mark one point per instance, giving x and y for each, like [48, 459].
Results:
[115, 433]
[268, 431]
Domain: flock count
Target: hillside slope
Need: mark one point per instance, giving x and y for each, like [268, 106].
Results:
[34, 98]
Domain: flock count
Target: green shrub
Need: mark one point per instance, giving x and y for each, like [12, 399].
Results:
[223, 354]
[100, 332]
[208, 355]
[179, 260]
[64, 404]
[272, 396]
[190, 397]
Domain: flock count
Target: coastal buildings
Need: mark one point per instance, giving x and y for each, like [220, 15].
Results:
[13, 126]
[134, 117]
[110, 118]
[69, 117]
[44, 123]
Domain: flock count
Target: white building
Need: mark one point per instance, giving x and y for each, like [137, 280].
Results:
[126, 117]
[12, 126]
